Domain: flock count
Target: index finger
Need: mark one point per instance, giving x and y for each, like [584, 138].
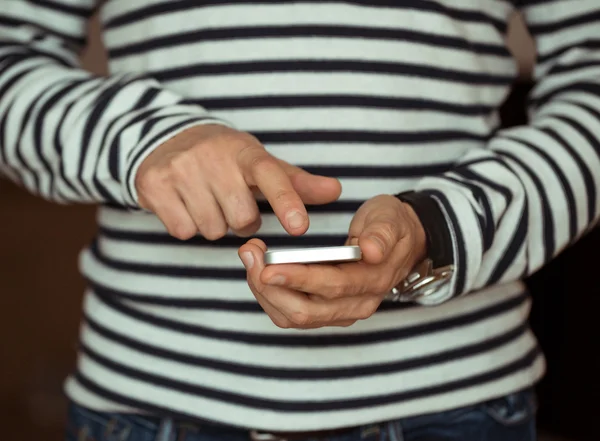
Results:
[265, 172]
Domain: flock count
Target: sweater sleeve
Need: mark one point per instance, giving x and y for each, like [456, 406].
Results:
[515, 205]
[66, 134]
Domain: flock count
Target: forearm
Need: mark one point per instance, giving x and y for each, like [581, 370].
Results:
[531, 193]
[532, 190]
[68, 135]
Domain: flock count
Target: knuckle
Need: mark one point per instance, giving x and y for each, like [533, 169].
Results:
[183, 231]
[245, 139]
[281, 322]
[284, 195]
[215, 231]
[263, 162]
[248, 231]
[300, 318]
[256, 287]
[338, 290]
[150, 179]
[387, 232]
[238, 139]
[249, 150]
[243, 220]
[370, 307]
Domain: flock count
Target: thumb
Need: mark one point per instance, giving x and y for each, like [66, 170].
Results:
[313, 189]
[252, 256]
[378, 239]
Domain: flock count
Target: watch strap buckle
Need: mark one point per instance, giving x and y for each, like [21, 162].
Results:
[422, 282]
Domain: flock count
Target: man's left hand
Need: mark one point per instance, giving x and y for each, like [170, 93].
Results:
[392, 241]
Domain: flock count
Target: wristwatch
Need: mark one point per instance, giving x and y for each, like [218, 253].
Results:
[437, 269]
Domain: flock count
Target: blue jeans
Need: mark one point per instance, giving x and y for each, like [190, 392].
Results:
[511, 418]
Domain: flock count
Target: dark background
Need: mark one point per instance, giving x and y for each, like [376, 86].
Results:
[566, 301]
[41, 291]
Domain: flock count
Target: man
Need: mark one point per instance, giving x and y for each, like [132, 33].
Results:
[213, 107]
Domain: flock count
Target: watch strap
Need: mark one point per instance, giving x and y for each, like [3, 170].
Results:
[437, 232]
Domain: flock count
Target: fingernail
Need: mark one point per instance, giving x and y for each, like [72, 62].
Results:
[295, 220]
[378, 242]
[277, 280]
[247, 259]
[353, 241]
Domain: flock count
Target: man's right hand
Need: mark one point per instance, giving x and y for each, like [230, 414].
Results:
[204, 180]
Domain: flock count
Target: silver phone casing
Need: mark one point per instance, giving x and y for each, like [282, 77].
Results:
[349, 253]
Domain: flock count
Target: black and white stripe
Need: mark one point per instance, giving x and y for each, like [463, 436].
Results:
[388, 96]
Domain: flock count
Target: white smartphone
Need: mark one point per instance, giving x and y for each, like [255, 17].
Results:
[346, 253]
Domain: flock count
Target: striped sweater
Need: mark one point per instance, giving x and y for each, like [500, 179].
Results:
[387, 96]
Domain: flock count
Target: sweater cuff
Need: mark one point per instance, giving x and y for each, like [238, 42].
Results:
[440, 238]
